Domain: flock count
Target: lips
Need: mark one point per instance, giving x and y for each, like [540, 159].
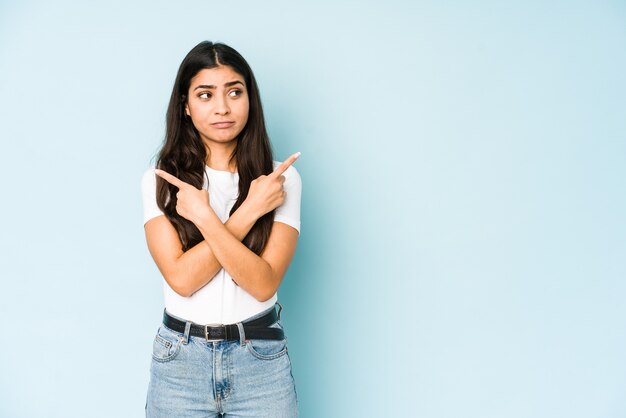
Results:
[223, 124]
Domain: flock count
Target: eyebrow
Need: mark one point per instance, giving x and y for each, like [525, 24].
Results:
[210, 86]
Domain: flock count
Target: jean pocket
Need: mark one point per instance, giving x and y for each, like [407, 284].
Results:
[166, 344]
[267, 349]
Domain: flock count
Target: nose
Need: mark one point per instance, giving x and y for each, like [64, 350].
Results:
[221, 106]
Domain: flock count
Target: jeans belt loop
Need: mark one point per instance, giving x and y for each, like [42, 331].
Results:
[242, 333]
[187, 329]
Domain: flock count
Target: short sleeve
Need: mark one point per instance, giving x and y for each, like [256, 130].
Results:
[148, 192]
[289, 211]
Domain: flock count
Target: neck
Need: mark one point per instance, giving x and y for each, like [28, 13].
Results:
[218, 156]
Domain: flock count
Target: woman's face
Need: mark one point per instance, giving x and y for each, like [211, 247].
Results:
[217, 102]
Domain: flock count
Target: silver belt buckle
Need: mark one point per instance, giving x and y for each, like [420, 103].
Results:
[206, 332]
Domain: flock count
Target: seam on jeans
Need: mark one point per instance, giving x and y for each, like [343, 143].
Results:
[163, 341]
[213, 377]
[168, 345]
[293, 379]
[228, 362]
[170, 335]
[266, 356]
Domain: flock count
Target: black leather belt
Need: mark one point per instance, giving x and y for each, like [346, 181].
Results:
[256, 329]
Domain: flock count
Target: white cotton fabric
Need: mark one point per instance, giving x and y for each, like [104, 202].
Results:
[221, 301]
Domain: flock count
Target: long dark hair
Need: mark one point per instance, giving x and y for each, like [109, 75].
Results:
[184, 155]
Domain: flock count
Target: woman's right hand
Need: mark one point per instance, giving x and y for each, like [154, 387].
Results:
[266, 192]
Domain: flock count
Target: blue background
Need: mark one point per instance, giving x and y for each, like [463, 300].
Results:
[464, 190]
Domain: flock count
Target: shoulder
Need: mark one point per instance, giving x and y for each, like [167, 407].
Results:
[148, 190]
[148, 177]
[148, 171]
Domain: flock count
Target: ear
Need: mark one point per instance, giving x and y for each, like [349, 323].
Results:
[183, 98]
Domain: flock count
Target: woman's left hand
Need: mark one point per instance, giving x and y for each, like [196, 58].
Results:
[192, 203]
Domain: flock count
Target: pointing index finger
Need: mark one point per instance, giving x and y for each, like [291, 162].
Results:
[170, 178]
[285, 164]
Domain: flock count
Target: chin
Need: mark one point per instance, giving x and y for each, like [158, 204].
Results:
[221, 139]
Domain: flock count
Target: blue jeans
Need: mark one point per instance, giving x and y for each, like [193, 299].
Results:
[191, 377]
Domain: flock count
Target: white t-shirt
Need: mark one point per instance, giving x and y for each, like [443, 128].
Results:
[221, 301]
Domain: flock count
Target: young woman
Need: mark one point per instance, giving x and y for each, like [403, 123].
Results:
[222, 219]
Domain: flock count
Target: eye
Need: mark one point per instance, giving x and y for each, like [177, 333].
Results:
[205, 95]
[234, 93]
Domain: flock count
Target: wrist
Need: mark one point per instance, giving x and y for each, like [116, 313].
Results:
[249, 211]
[207, 218]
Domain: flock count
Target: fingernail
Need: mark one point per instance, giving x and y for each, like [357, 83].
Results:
[298, 154]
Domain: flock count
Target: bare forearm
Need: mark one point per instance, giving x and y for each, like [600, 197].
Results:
[254, 274]
[247, 269]
[198, 265]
